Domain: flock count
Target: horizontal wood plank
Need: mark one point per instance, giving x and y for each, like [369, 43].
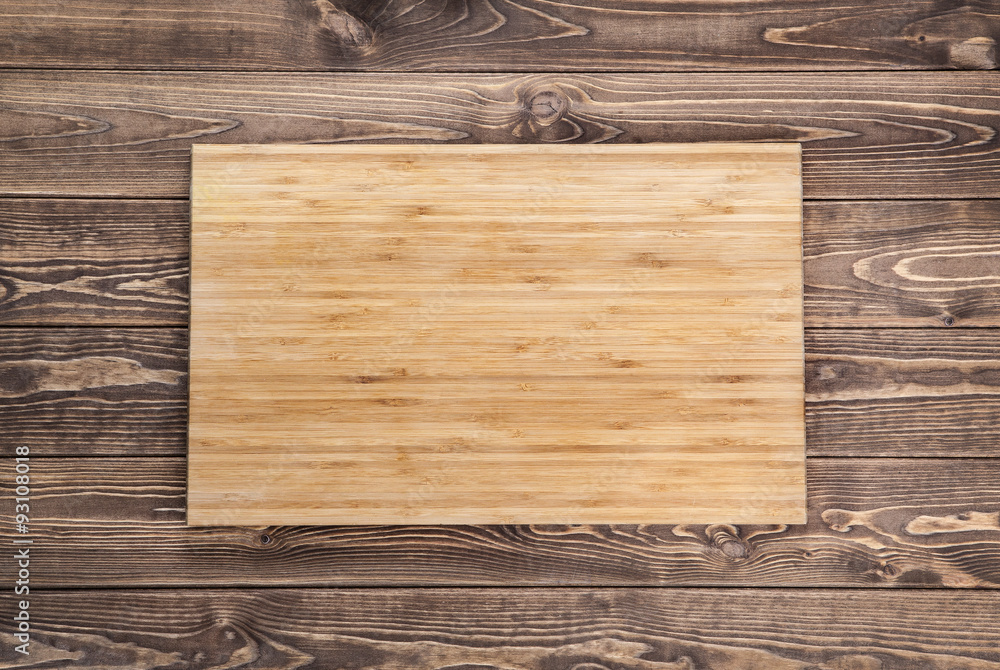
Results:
[514, 35]
[892, 392]
[90, 262]
[434, 629]
[865, 135]
[92, 391]
[902, 392]
[871, 523]
[901, 263]
[867, 263]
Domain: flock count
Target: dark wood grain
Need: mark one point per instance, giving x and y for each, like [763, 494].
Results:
[106, 522]
[93, 262]
[114, 521]
[864, 135]
[514, 629]
[930, 392]
[902, 263]
[103, 390]
[480, 35]
[894, 392]
[867, 263]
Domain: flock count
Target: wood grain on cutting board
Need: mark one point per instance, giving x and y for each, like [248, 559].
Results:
[496, 334]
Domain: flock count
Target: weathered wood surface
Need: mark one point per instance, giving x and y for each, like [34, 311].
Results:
[902, 392]
[864, 135]
[867, 263]
[508, 34]
[94, 390]
[871, 523]
[120, 392]
[94, 262]
[515, 629]
[898, 263]
[891, 392]
[620, 336]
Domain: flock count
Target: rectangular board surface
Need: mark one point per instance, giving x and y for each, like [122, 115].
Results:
[492, 334]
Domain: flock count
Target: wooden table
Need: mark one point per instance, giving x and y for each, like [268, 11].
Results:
[99, 105]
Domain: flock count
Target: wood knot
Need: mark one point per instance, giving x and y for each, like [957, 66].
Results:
[727, 539]
[545, 117]
[547, 107]
[346, 28]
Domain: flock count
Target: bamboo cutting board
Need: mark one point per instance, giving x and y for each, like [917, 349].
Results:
[389, 334]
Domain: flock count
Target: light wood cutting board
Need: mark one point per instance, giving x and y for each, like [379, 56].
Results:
[496, 334]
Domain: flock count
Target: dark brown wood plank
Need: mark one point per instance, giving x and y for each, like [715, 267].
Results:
[100, 390]
[115, 522]
[902, 263]
[94, 262]
[933, 392]
[901, 392]
[865, 135]
[870, 264]
[513, 629]
[515, 35]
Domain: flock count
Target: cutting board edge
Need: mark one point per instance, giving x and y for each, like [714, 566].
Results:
[206, 150]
